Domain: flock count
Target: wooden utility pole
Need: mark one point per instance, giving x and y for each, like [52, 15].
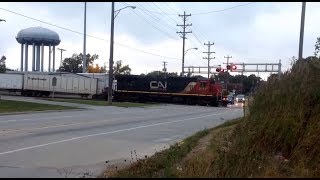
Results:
[228, 57]
[183, 33]
[209, 58]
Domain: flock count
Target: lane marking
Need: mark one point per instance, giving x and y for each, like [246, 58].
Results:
[104, 133]
[5, 131]
[58, 117]
[14, 120]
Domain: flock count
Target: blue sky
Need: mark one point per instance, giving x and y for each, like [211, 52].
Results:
[254, 33]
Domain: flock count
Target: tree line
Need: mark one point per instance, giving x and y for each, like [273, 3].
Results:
[74, 64]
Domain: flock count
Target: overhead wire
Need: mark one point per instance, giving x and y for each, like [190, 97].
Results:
[142, 17]
[203, 13]
[158, 20]
[77, 32]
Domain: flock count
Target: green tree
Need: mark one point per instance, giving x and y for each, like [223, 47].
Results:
[317, 47]
[118, 68]
[74, 63]
[3, 64]
[162, 74]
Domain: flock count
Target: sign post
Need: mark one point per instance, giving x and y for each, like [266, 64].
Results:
[54, 83]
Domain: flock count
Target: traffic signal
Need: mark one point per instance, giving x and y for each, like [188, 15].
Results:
[233, 67]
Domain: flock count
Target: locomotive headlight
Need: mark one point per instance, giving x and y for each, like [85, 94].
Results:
[237, 99]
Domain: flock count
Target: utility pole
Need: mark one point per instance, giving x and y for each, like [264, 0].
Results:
[61, 55]
[164, 68]
[303, 12]
[227, 71]
[209, 58]
[84, 66]
[61, 58]
[228, 57]
[184, 25]
[110, 83]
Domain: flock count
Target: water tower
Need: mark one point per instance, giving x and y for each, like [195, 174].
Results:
[37, 37]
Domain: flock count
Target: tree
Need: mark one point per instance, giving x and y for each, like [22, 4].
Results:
[119, 69]
[317, 47]
[96, 69]
[162, 74]
[3, 64]
[74, 63]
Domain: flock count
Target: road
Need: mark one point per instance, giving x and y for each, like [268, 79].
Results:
[38, 144]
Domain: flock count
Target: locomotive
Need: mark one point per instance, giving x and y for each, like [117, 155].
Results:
[183, 90]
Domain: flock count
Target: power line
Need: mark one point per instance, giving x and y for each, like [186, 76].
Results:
[86, 34]
[210, 12]
[170, 8]
[221, 10]
[164, 32]
[164, 12]
[157, 12]
[158, 19]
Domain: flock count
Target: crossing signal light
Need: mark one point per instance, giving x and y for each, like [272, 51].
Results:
[218, 69]
[234, 67]
[228, 67]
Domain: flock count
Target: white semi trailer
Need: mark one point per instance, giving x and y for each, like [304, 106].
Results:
[38, 84]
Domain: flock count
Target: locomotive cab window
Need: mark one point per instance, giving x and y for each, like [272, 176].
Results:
[203, 84]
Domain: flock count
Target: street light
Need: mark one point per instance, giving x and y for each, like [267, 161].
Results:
[189, 49]
[185, 52]
[113, 17]
[3, 20]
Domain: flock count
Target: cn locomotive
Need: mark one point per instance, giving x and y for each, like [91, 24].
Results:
[182, 90]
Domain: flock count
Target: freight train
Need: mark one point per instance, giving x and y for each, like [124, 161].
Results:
[184, 90]
[141, 88]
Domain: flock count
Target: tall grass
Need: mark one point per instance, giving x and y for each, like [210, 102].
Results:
[284, 122]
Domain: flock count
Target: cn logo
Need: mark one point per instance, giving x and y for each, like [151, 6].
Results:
[157, 85]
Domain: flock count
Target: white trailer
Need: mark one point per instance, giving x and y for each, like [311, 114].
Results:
[41, 84]
[103, 83]
[12, 82]
[102, 80]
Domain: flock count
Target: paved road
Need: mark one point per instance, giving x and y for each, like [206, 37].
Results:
[36, 145]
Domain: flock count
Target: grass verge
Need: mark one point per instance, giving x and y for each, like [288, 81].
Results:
[166, 163]
[101, 102]
[8, 106]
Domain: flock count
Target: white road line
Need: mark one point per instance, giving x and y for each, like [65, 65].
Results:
[64, 125]
[99, 134]
[58, 117]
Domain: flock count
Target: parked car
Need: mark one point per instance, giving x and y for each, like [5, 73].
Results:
[240, 98]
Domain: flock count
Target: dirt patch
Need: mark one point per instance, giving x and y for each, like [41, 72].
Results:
[202, 146]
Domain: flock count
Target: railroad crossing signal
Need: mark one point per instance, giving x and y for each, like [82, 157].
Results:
[232, 67]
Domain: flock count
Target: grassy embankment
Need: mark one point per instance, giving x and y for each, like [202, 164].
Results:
[8, 106]
[279, 138]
